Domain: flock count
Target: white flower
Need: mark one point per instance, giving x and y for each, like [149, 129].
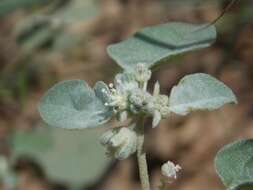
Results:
[120, 142]
[116, 98]
[142, 73]
[139, 99]
[158, 106]
[170, 170]
[128, 95]
[118, 94]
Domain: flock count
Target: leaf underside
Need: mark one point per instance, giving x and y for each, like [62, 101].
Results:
[73, 105]
[153, 45]
[234, 165]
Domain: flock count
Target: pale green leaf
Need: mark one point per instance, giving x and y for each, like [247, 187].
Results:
[199, 92]
[73, 105]
[153, 45]
[74, 157]
[234, 165]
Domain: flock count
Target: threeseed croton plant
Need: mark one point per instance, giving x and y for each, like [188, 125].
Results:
[73, 104]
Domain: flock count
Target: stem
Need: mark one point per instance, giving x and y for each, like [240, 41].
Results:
[163, 185]
[141, 156]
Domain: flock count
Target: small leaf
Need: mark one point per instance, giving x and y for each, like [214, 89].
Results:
[234, 165]
[199, 92]
[73, 105]
[153, 45]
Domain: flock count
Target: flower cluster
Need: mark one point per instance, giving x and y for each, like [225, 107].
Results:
[120, 142]
[128, 96]
[169, 171]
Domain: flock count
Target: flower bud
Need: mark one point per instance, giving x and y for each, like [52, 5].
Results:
[120, 142]
[142, 73]
[139, 98]
[156, 118]
[170, 170]
[158, 107]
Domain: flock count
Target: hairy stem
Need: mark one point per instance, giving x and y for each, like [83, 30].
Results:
[141, 156]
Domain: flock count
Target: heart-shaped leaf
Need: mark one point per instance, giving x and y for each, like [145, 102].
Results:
[153, 45]
[73, 105]
[234, 165]
[199, 92]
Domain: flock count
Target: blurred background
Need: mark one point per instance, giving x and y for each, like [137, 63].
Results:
[46, 41]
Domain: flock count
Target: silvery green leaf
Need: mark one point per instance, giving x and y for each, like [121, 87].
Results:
[199, 92]
[73, 105]
[74, 157]
[155, 44]
[234, 165]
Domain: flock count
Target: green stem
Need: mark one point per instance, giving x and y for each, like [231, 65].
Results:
[141, 156]
[163, 185]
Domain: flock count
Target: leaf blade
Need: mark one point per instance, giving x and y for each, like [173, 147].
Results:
[153, 45]
[73, 104]
[199, 92]
[234, 165]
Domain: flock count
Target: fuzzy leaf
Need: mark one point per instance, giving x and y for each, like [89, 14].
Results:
[234, 165]
[153, 45]
[199, 92]
[73, 105]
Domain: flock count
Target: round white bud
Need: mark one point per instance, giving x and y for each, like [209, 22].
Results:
[142, 73]
[170, 170]
[120, 142]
